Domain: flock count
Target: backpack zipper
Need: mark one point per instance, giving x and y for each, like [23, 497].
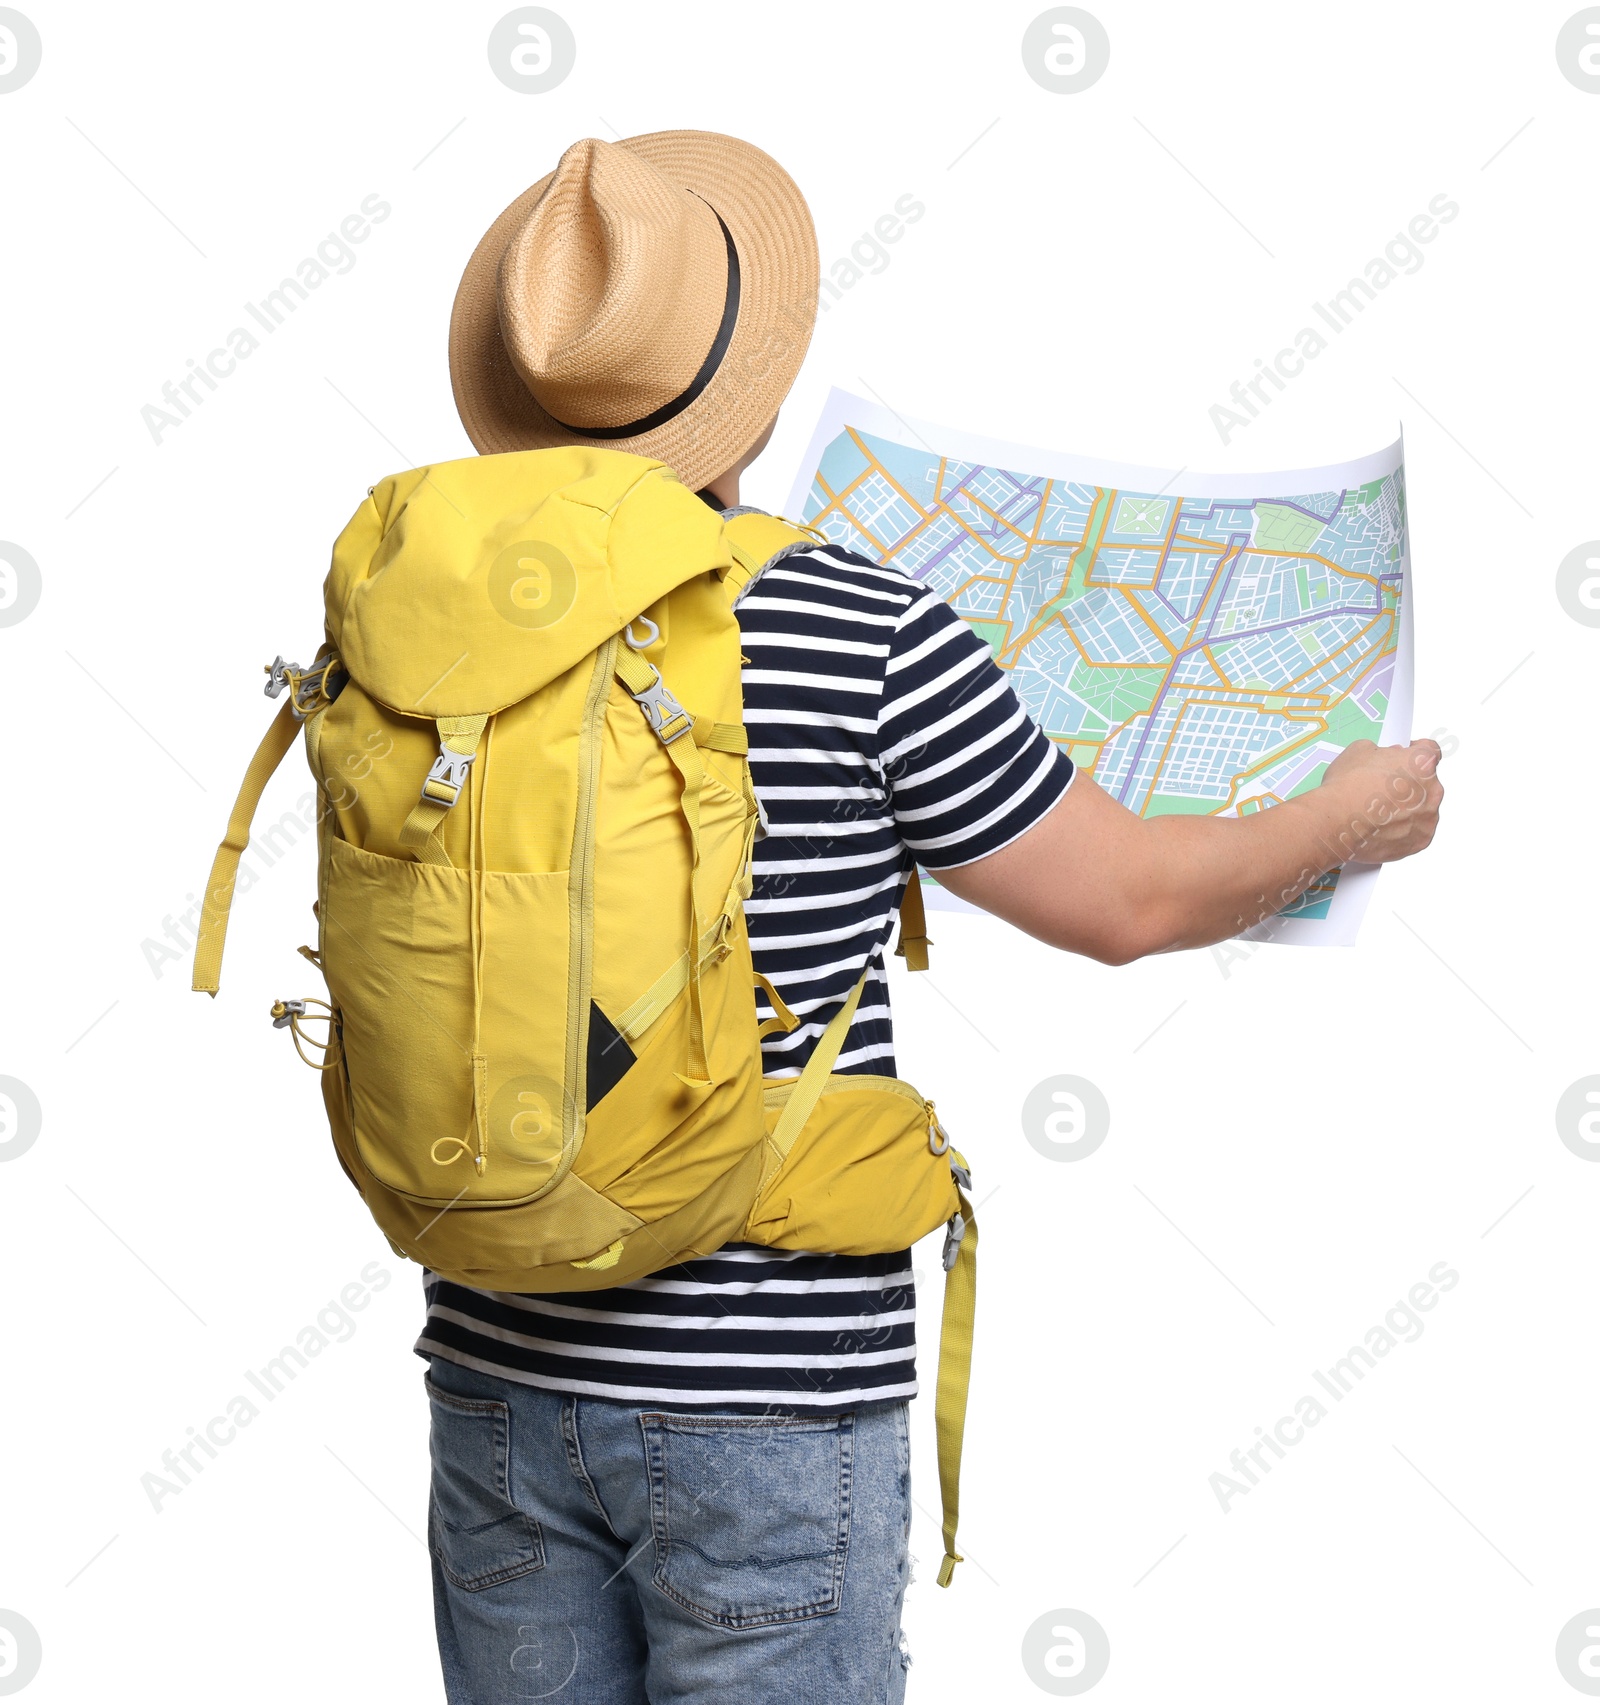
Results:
[580, 896]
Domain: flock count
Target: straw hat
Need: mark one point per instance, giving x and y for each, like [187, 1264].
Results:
[654, 295]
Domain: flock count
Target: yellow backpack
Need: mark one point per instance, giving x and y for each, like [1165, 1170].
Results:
[542, 1062]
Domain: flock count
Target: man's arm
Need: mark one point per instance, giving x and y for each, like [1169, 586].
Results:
[1094, 878]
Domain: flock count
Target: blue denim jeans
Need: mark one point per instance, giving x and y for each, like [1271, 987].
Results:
[593, 1553]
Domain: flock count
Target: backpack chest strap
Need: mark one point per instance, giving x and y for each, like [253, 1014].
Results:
[459, 737]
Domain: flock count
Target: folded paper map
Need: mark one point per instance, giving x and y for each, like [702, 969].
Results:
[1203, 643]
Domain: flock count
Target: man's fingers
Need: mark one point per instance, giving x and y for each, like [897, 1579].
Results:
[1426, 755]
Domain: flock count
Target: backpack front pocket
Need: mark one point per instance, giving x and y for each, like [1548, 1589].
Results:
[460, 1022]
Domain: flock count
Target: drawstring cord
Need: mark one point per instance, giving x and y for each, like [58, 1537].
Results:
[310, 690]
[292, 1015]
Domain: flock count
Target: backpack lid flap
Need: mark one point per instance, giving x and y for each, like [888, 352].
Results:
[461, 588]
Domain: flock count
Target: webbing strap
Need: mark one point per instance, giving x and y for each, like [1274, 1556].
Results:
[458, 740]
[955, 1373]
[783, 1019]
[670, 722]
[721, 736]
[277, 740]
[914, 943]
[632, 1023]
[753, 541]
[643, 681]
[815, 1073]
[420, 832]
[692, 768]
[635, 672]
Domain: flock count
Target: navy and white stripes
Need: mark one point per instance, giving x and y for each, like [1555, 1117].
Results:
[881, 732]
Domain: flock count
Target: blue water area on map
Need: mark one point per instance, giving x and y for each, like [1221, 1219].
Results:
[916, 470]
[841, 463]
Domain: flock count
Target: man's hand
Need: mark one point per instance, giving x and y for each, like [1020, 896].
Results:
[1092, 877]
[1392, 794]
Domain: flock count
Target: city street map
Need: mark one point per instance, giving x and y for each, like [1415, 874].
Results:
[1197, 643]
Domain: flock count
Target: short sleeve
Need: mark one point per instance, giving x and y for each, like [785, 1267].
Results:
[968, 770]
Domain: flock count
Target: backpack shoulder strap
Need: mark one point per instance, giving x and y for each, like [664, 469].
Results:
[756, 540]
[280, 736]
[815, 1073]
[310, 690]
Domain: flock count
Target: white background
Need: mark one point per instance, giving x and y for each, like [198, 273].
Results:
[1293, 1145]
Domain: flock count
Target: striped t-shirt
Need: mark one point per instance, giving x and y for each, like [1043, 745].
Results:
[881, 735]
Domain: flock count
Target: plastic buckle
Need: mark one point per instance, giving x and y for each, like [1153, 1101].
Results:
[661, 710]
[448, 776]
[309, 688]
[722, 946]
[284, 1013]
[961, 1175]
[317, 687]
[954, 1233]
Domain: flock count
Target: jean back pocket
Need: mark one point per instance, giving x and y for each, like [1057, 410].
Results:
[479, 1536]
[751, 1514]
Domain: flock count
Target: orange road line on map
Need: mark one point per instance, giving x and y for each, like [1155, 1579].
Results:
[1160, 550]
[939, 507]
[836, 503]
[1276, 757]
[1120, 585]
[1218, 581]
[1223, 704]
[1039, 627]
[1161, 762]
[1355, 639]
[942, 507]
[1126, 723]
[1030, 539]
[874, 466]
[1145, 617]
[1073, 640]
[1016, 567]
[1172, 526]
[1222, 674]
[1014, 564]
[1315, 556]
